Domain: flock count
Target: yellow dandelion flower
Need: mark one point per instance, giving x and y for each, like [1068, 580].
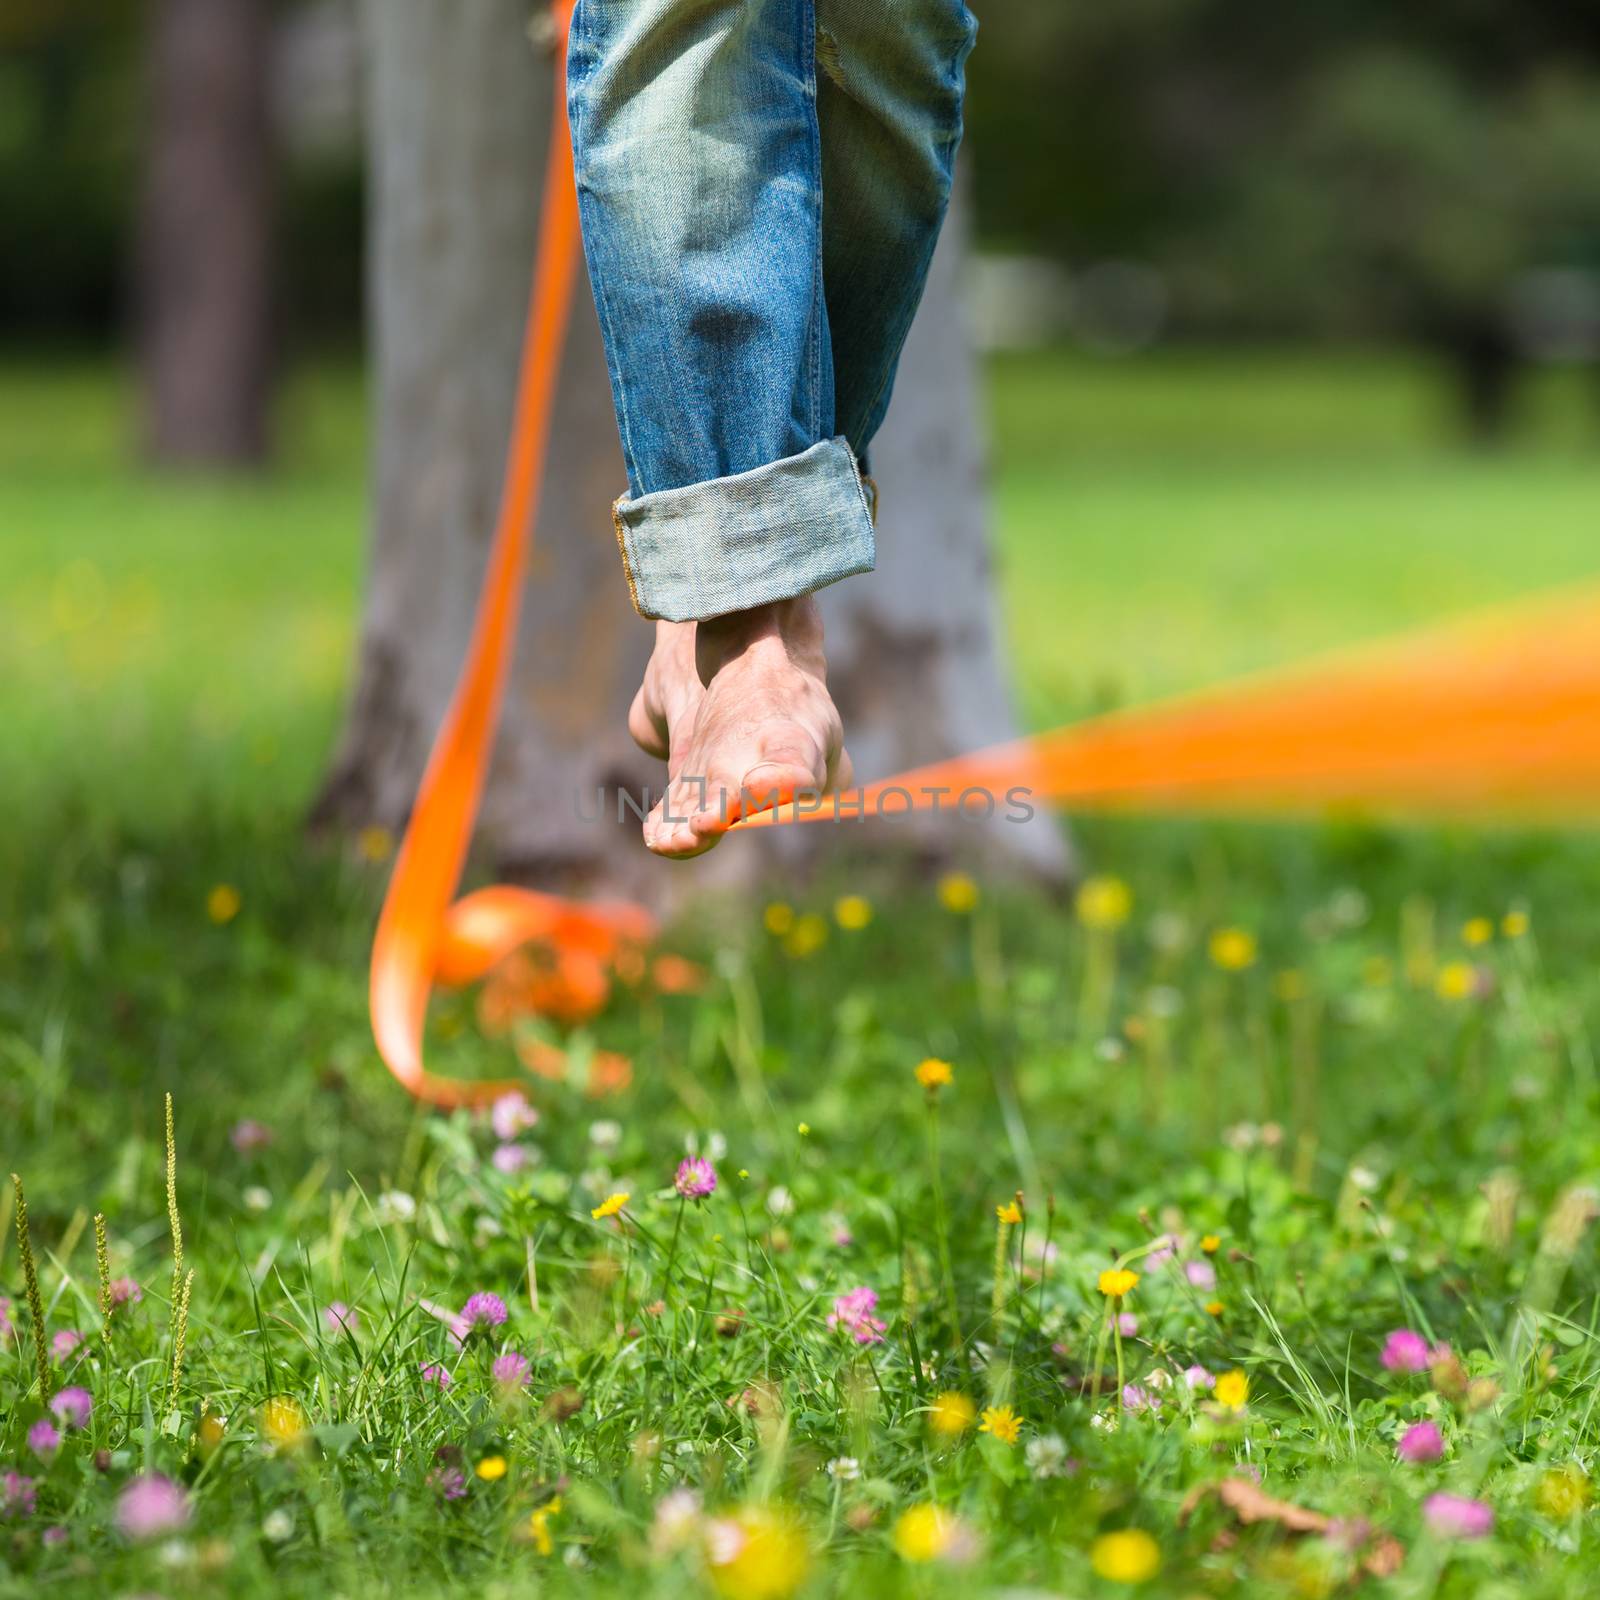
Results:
[757, 1554]
[283, 1422]
[1479, 930]
[958, 893]
[806, 937]
[1232, 1390]
[1214, 1308]
[1514, 924]
[222, 904]
[1232, 949]
[1117, 1281]
[1127, 1556]
[1457, 980]
[852, 912]
[375, 843]
[778, 918]
[804, 1130]
[929, 1533]
[951, 1414]
[491, 1468]
[934, 1074]
[1010, 1213]
[1002, 1423]
[610, 1206]
[1562, 1492]
[1211, 1243]
[539, 1526]
[212, 1428]
[1104, 902]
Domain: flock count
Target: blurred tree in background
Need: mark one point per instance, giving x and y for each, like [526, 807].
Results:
[1336, 168]
[143, 146]
[1331, 169]
[203, 291]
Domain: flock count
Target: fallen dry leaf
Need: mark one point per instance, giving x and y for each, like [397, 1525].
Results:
[1249, 1502]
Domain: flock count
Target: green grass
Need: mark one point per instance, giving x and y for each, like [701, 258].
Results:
[1373, 1149]
[1179, 519]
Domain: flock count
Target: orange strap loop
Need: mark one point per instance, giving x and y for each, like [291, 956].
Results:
[421, 936]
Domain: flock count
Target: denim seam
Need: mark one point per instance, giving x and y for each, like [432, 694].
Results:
[861, 492]
[602, 303]
[622, 545]
[608, 323]
[819, 303]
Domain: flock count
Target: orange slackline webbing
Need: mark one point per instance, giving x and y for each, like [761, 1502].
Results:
[421, 936]
[1496, 717]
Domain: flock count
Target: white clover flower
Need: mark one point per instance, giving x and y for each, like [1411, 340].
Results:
[1348, 907]
[724, 1541]
[394, 1205]
[780, 1202]
[256, 1198]
[711, 1144]
[1164, 1001]
[1046, 1456]
[846, 1469]
[277, 1526]
[605, 1134]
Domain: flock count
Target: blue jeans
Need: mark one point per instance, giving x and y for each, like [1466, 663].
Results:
[761, 183]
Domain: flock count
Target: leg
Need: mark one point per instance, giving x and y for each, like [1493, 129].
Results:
[698, 163]
[890, 86]
[699, 178]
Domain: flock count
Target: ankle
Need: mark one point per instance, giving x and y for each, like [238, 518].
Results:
[792, 625]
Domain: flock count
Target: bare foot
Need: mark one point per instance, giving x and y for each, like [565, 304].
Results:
[736, 705]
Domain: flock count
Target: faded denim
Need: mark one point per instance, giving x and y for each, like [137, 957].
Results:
[761, 183]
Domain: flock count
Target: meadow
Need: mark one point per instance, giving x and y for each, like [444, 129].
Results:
[1224, 1226]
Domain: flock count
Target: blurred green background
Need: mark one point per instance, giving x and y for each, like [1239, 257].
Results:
[1292, 322]
[1164, 520]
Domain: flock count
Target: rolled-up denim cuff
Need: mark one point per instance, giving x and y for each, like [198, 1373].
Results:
[731, 543]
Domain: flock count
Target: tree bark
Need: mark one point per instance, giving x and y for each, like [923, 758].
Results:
[915, 652]
[457, 120]
[204, 258]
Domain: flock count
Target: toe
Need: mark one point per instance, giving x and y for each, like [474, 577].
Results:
[669, 828]
[843, 775]
[648, 733]
[769, 784]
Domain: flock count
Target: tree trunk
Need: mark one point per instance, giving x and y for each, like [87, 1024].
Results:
[1486, 366]
[458, 118]
[458, 115]
[204, 261]
[915, 652]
